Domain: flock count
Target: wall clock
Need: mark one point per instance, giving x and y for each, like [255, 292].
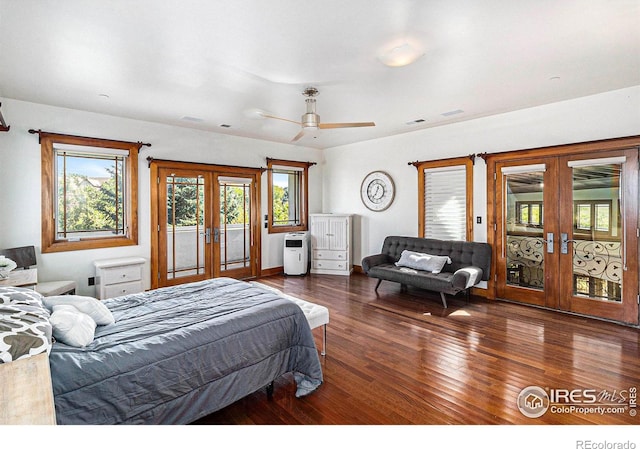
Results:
[377, 191]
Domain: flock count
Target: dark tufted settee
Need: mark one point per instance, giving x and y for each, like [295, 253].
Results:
[470, 264]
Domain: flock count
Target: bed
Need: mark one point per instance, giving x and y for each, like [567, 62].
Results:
[179, 353]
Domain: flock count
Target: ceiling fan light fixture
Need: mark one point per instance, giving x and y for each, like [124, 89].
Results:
[400, 56]
[310, 120]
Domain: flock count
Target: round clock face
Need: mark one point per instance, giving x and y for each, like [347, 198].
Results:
[377, 191]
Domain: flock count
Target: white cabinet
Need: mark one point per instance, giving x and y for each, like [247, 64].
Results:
[331, 244]
[118, 277]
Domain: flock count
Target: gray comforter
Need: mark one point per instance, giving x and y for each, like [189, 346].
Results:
[179, 353]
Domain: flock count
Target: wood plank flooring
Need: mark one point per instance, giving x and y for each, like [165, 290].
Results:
[466, 364]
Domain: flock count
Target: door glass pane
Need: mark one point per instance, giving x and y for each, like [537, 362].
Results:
[524, 229]
[597, 232]
[235, 223]
[185, 226]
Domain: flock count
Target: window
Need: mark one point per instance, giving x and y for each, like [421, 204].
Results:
[445, 190]
[593, 216]
[89, 193]
[529, 213]
[288, 198]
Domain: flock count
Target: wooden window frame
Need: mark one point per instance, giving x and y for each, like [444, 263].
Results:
[593, 231]
[50, 243]
[522, 204]
[304, 195]
[467, 162]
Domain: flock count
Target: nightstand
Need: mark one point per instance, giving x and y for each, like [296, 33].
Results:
[118, 277]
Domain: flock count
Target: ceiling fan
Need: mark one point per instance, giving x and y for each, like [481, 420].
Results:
[311, 120]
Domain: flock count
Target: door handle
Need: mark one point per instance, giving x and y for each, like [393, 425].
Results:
[564, 243]
[207, 235]
[216, 235]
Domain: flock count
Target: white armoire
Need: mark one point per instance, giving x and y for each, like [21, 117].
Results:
[331, 248]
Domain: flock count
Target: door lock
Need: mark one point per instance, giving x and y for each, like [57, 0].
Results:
[549, 242]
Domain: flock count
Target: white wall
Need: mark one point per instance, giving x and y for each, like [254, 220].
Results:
[603, 116]
[334, 182]
[20, 178]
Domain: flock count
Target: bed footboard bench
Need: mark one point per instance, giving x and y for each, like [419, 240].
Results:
[316, 314]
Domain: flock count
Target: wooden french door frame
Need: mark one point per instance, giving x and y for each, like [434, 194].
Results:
[548, 295]
[557, 298]
[626, 310]
[158, 244]
[220, 231]
[162, 249]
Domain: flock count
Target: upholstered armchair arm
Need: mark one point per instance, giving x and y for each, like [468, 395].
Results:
[466, 277]
[377, 259]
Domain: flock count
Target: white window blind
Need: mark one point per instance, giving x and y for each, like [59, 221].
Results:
[445, 203]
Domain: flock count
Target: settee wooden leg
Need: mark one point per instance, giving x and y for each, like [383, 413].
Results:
[378, 284]
[444, 300]
[270, 391]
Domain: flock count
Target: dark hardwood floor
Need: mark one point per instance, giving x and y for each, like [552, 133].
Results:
[466, 364]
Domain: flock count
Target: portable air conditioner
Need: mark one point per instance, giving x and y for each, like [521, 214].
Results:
[296, 253]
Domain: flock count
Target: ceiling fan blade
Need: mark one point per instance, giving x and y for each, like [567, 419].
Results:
[280, 118]
[345, 125]
[298, 136]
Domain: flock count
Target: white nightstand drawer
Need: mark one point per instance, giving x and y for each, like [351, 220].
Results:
[125, 273]
[123, 289]
[329, 255]
[117, 277]
[330, 264]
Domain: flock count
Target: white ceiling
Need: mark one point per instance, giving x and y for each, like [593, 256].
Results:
[204, 63]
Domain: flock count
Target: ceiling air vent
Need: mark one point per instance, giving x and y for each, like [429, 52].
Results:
[457, 111]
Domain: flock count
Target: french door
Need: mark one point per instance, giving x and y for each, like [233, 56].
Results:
[566, 230]
[235, 225]
[205, 222]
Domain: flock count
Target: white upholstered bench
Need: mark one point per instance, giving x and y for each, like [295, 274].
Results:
[55, 288]
[316, 314]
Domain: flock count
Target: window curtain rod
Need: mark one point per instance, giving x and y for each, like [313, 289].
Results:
[284, 162]
[150, 160]
[416, 164]
[41, 133]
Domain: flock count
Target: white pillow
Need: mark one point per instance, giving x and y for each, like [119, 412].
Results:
[422, 261]
[72, 327]
[85, 304]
